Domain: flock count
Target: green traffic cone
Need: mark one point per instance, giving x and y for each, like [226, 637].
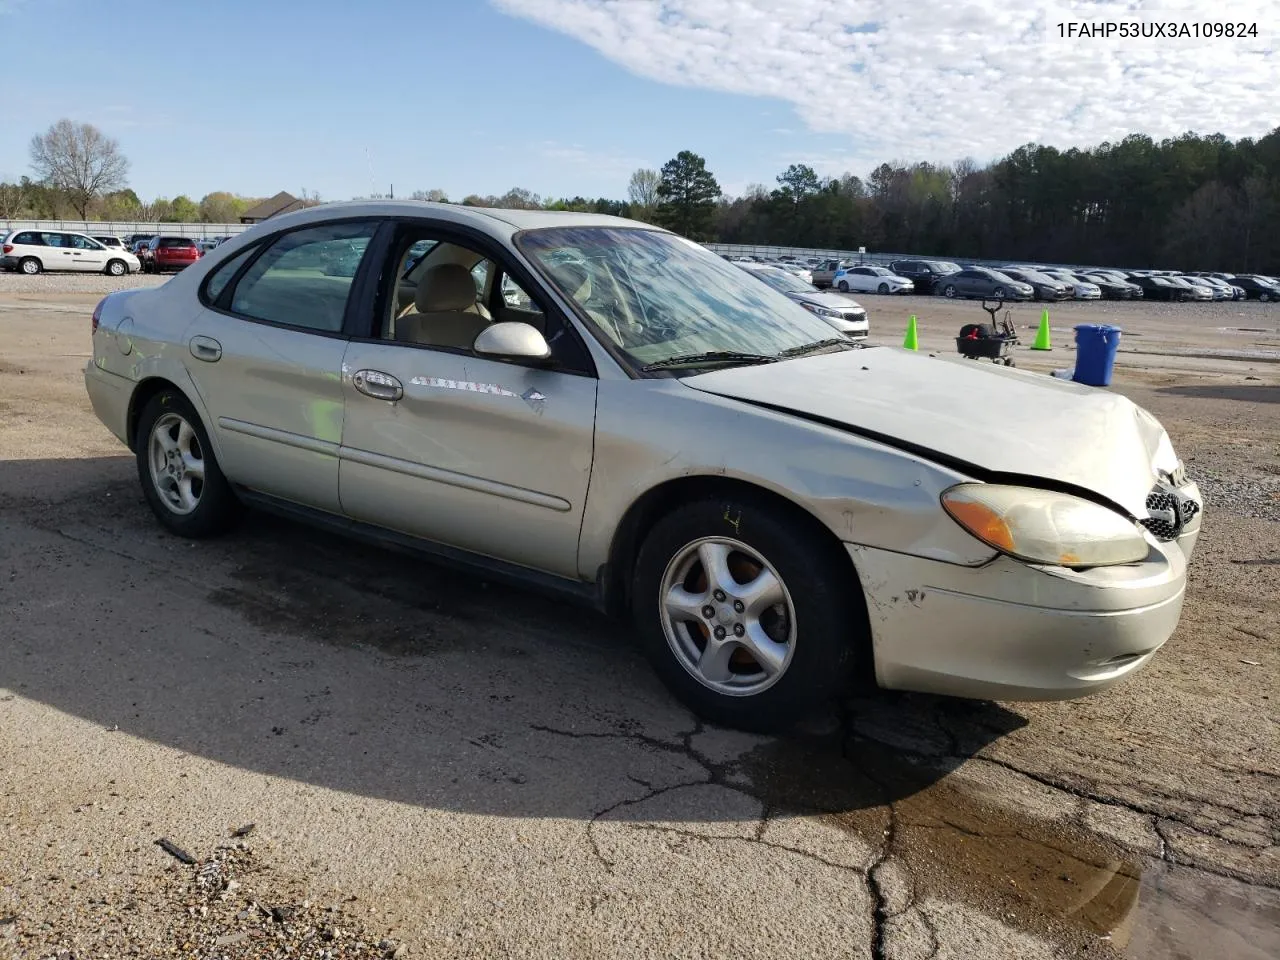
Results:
[912, 340]
[1042, 335]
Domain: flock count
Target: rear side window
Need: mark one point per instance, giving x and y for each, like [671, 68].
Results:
[304, 278]
[33, 239]
[56, 240]
[222, 275]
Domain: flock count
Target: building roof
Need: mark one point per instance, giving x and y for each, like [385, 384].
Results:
[282, 202]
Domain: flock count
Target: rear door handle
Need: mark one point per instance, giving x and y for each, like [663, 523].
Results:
[379, 385]
[206, 349]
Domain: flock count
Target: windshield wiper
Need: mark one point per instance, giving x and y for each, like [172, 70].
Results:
[710, 356]
[816, 345]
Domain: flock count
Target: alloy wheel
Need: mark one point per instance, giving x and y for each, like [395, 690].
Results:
[728, 617]
[177, 463]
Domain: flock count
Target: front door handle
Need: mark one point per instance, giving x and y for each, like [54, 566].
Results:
[379, 385]
[206, 348]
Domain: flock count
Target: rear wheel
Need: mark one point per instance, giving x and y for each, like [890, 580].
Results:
[749, 620]
[30, 266]
[844, 287]
[116, 268]
[180, 475]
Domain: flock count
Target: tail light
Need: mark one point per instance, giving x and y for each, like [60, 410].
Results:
[7, 248]
[97, 315]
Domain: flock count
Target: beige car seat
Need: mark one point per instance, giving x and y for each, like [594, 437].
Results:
[447, 314]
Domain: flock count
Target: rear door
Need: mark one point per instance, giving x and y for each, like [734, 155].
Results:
[265, 352]
[475, 453]
[58, 256]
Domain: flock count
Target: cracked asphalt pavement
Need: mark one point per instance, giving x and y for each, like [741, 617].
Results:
[450, 768]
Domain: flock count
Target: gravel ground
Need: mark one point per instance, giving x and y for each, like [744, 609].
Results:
[20, 286]
[462, 770]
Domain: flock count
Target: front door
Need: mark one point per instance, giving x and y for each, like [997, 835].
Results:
[479, 454]
[88, 255]
[265, 353]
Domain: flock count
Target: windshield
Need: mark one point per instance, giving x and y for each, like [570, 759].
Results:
[880, 271]
[997, 275]
[946, 266]
[784, 282]
[656, 296]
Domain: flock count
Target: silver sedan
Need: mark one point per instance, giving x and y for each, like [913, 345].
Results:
[606, 410]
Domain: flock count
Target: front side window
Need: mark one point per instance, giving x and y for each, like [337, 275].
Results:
[304, 278]
[84, 243]
[656, 296]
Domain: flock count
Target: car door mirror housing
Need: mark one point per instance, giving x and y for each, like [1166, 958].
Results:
[512, 340]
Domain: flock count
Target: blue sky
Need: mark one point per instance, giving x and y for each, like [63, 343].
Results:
[567, 97]
[256, 97]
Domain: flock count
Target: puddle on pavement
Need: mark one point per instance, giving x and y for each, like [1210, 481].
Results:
[1045, 876]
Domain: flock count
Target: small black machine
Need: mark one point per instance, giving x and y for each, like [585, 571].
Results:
[990, 341]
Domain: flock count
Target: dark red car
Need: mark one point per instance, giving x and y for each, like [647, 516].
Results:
[168, 253]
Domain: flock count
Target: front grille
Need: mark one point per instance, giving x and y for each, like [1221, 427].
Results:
[1169, 514]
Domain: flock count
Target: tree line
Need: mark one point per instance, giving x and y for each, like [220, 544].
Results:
[1189, 202]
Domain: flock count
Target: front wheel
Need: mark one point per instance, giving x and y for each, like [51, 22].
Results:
[949, 291]
[1264, 297]
[844, 287]
[116, 268]
[998, 293]
[882, 289]
[180, 475]
[748, 618]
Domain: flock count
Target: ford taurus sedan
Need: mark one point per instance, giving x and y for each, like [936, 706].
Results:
[605, 410]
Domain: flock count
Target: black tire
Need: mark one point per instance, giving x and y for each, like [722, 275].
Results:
[998, 293]
[1264, 296]
[116, 268]
[882, 289]
[844, 287]
[217, 508]
[30, 266]
[830, 615]
[949, 291]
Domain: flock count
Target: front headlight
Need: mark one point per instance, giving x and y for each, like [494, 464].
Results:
[1045, 527]
[822, 311]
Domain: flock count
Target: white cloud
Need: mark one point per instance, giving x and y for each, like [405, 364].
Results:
[938, 79]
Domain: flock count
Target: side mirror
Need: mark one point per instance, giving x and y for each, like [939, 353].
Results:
[511, 340]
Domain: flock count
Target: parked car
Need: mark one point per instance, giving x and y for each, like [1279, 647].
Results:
[1191, 290]
[1112, 285]
[983, 282]
[1158, 288]
[33, 251]
[169, 253]
[1044, 286]
[1215, 292]
[113, 243]
[870, 280]
[1082, 288]
[844, 314]
[604, 443]
[825, 272]
[1255, 287]
[924, 274]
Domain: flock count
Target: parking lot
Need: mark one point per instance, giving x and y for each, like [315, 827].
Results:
[461, 769]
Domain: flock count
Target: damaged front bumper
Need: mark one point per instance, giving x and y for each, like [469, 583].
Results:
[1008, 630]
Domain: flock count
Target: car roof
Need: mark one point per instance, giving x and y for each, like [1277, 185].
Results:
[489, 219]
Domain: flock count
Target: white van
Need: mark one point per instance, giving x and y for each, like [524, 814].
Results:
[33, 251]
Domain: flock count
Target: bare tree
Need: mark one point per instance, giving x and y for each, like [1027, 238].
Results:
[642, 188]
[309, 198]
[12, 197]
[80, 160]
[436, 196]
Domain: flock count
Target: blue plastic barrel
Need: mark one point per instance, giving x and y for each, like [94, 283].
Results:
[1096, 346]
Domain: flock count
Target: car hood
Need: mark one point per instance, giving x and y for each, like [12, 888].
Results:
[983, 419]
